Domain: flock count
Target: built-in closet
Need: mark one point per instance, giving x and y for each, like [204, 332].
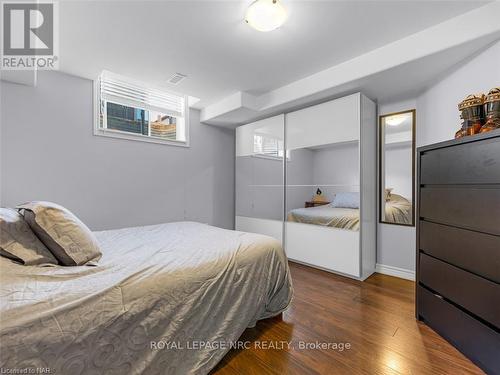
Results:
[290, 168]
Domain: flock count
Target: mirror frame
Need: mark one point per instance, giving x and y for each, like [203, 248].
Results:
[413, 150]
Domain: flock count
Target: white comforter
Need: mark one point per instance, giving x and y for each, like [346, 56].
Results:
[182, 283]
[327, 216]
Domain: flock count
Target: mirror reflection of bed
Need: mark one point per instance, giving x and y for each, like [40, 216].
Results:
[322, 185]
[334, 214]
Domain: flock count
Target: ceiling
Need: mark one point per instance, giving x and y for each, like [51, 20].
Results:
[221, 55]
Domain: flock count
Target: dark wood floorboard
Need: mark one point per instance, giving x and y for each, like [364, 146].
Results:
[375, 316]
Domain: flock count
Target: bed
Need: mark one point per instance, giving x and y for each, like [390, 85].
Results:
[397, 209]
[327, 216]
[167, 299]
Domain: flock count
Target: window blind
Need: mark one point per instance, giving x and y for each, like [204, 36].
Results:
[121, 90]
[267, 145]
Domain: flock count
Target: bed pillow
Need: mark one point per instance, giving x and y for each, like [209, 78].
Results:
[69, 240]
[19, 243]
[346, 200]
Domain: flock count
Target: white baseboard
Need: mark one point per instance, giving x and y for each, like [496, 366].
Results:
[395, 271]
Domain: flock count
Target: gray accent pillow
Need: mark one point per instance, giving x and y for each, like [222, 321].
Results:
[346, 200]
[70, 240]
[19, 243]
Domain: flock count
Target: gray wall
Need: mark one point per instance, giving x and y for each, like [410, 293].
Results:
[299, 172]
[259, 184]
[48, 152]
[437, 120]
[438, 115]
[319, 167]
[336, 165]
[398, 171]
[259, 187]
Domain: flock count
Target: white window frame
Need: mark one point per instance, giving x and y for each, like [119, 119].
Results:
[113, 133]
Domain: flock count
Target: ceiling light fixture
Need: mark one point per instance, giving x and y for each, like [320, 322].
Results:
[395, 120]
[266, 15]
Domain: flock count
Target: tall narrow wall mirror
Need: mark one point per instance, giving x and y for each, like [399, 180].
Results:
[397, 168]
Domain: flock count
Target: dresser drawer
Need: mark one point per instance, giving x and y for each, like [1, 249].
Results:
[469, 163]
[476, 340]
[466, 207]
[473, 293]
[473, 251]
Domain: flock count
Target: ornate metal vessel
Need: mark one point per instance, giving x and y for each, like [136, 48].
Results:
[472, 113]
[492, 110]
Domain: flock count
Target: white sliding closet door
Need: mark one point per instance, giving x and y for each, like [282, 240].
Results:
[283, 162]
[335, 121]
[259, 177]
[322, 144]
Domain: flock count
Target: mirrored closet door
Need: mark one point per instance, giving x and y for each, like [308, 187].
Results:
[308, 178]
[323, 143]
[259, 177]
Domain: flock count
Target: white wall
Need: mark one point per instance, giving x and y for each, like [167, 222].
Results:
[336, 165]
[438, 114]
[398, 171]
[437, 120]
[48, 152]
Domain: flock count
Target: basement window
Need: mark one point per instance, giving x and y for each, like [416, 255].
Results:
[134, 111]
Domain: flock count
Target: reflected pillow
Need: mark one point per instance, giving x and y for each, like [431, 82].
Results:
[69, 240]
[19, 243]
[346, 200]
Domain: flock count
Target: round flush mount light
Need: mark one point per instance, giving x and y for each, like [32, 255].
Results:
[266, 15]
[395, 120]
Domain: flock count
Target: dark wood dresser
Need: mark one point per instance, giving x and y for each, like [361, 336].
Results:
[458, 245]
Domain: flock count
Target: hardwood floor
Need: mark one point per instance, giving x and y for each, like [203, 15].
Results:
[375, 317]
